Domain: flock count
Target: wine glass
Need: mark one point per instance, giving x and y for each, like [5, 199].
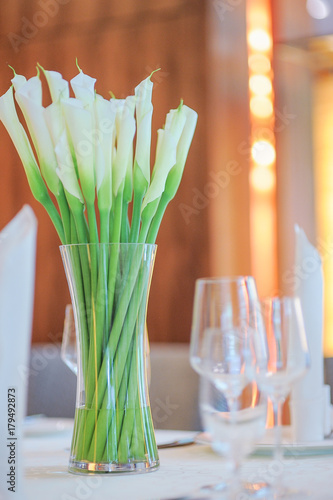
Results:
[288, 361]
[227, 346]
[68, 352]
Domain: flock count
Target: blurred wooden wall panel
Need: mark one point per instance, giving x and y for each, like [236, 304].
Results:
[119, 43]
[229, 139]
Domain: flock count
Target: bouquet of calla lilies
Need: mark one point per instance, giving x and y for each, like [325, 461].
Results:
[84, 149]
[87, 160]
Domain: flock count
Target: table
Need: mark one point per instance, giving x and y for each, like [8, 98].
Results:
[182, 470]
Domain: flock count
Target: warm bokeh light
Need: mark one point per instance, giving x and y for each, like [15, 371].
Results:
[262, 179]
[318, 9]
[259, 63]
[323, 158]
[262, 107]
[260, 40]
[263, 153]
[260, 85]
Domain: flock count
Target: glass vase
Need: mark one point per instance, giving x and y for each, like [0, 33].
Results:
[109, 286]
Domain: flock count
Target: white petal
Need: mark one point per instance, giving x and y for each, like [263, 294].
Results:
[55, 120]
[29, 100]
[31, 89]
[144, 111]
[165, 160]
[125, 124]
[166, 152]
[80, 129]
[143, 94]
[175, 122]
[66, 169]
[84, 87]
[9, 118]
[99, 167]
[183, 147]
[105, 115]
[59, 87]
[18, 81]
[187, 135]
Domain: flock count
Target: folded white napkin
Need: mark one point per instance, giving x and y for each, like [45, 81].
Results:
[17, 277]
[307, 402]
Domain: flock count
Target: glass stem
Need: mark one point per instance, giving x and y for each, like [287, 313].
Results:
[277, 411]
[235, 483]
[278, 453]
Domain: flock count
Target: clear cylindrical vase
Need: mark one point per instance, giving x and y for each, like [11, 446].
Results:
[109, 286]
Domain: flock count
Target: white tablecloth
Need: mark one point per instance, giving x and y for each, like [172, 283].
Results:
[182, 470]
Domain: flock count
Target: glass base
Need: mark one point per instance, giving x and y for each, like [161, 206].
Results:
[245, 490]
[84, 467]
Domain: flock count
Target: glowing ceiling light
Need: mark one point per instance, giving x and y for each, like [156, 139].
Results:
[260, 85]
[259, 63]
[262, 179]
[261, 107]
[263, 153]
[318, 9]
[259, 40]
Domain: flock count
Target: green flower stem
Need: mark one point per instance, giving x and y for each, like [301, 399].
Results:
[93, 236]
[73, 236]
[129, 432]
[41, 194]
[136, 216]
[117, 217]
[102, 314]
[54, 216]
[127, 400]
[157, 219]
[125, 229]
[79, 220]
[116, 352]
[147, 216]
[81, 312]
[65, 214]
[140, 184]
[104, 219]
[83, 288]
[99, 334]
[113, 263]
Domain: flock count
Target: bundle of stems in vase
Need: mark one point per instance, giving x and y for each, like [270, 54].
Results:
[87, 161]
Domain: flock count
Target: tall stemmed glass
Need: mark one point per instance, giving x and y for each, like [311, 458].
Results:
[68, 351]
[227, 344]
[288, 361]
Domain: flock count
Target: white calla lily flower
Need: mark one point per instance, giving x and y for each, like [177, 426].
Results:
[66, 169]
[79, 123]
[59, 88]
[100, 171]
[29, 98]
[55, 121]
[166, 151]
[186, 135]
[31, 88]
[165, 160]
[105, 115]
[183, 147]
[18, 81]
[84, 87]
[125, 124]
[9, 118]
[144, 112]
[175, 121]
